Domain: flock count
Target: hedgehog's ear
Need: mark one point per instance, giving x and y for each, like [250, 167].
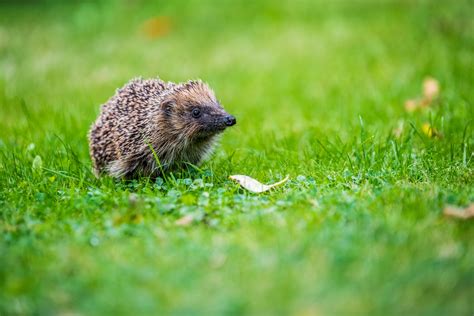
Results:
[167, 105]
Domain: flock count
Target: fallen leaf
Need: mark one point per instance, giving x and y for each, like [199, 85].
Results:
[37, 164]
[430, 131]
[156, 27]
[430, 93]
[186, 220]
[430, 88]
[411, 105]
[458, 212]
[253, 185]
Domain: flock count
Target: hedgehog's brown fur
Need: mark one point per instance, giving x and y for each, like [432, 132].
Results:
[149, 126]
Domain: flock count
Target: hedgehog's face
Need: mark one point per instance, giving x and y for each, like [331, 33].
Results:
[196, 112]
[206, 119]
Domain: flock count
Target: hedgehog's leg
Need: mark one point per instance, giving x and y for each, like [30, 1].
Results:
[118, 168]
[126, 166]
[99, 164]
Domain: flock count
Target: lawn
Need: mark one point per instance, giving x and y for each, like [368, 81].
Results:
[319, 91]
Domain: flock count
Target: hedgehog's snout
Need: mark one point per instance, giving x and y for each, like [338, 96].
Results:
[230, 120]
[219, 122]
[224, 120]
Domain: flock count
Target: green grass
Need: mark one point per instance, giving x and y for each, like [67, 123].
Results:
[317, 88]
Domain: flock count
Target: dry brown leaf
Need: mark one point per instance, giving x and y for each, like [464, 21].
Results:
[430, 88]
[430, 93]
[156, 27]
[459, 212]
[252, 185]
[411, 105]
[186, 220]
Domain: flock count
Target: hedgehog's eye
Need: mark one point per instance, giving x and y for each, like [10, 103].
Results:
[196, 113]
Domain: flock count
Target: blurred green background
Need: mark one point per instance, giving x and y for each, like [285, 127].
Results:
[318, 89]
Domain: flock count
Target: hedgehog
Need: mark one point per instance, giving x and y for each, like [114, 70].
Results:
[150, 127]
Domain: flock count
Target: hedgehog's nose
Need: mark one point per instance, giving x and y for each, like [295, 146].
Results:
[230, 120]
